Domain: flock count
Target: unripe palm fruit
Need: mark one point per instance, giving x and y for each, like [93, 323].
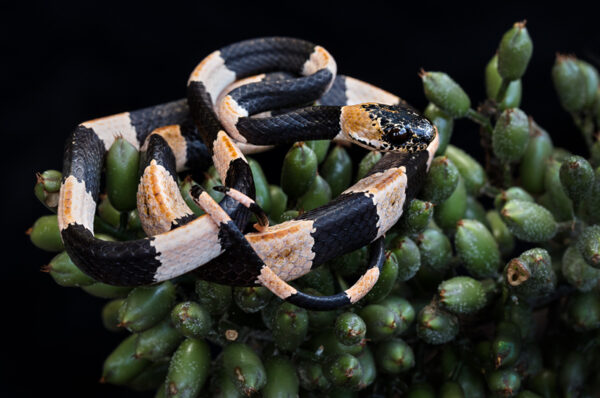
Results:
[493, 80]
[299, 170]
[320, 148]
[145, 306]
[318, 194]
[394, 356]
[583, 311]
[506, 346]
[244, 368]
[380, 321]
[122, 365]
[528, 221]
[500, 232]
[511, 193]
[261, 186]
[444, 124]
[435, 249]
[66, 273]
[158, 342]
[589, 245]
[533, 162]
[578, 272]
[122, 162]
[215, 298]
[191, 319]
[343, 371]
[367, 163]
[445, 93]
[504, 382]
[386, 281]
[470, 170]
[337, 170]
[450, 211]
[569, 82]
[45, 234]
[188, 369]
[576, 176]
[476, 246]
[282, 380]
[531, 274]
[462, 295]
[349, 328]
[416, 217]
[441, 181]
[436, 326]
[290, 325]
[514, 52]
[404, 313]
[511, 135]
[590, 77]
[408, 257]
[251, 299]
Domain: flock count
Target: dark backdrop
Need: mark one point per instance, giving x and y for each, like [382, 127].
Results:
[66, 63]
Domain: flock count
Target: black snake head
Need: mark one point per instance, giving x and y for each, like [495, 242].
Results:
[387, 128]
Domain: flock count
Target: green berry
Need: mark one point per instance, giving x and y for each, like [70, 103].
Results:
[337, 170]
[435, 249]
[477, 248]
[343, 371]
[493, 80]
[441, 181]
[528, 221]
[416, 217]
[158, 342]
[215, 298]
[191, 319]
[533, 163]
[145, 306]
[65, 273]
[504, 382]
[578, 272]
[45, 234]
[380, 321]
[278, 202]
[444, 124]
[514, 52]
[367, 163]
[569, 82]
[290, 326]
[589, 245]
[261, 185]
[408, 257]
[188, 369]
[591, 82]
[299, 170]
[506, 346]
[583, 311]
[244, 368]
[470, 170]
[576, 176]
[320, 148]
[436, 326]
[511, 193]
[150, 378]
[475, 211]
[282, 380]
[122, 163]
[369, 371]
[311, 376]
[531, 274]
[318, 194]
[349, 328]
[462, 295]
[404, 312]
[104, 290]
[511, 135]
[445, 93]
[500, 232]
[110, 315]
[560, 204]
[394, 356]
[122, 365]
[386, 281]
[251, 299]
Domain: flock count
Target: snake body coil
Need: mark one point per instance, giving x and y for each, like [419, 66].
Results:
[243, 99]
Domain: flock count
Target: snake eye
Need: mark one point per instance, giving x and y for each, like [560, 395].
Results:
[397, 136]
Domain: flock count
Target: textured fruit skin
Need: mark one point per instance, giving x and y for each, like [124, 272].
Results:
[380, 321]
[278, 202]
[158, 342]
[404, 313]
[559, 203]
[320, 148]
[441, 181]
[531, 274]
[511, 135]
[337, 170]
[493, 80]
[191, 319]
[589, 245]
[215, 298]
[444, 124]
[251, 299]
[416, 217]
[244, 368]
[146, 306]
[583, 311]
[188, 369]
[394, 356]
[569, 83]
[528, 221]
[65, 272]
[445, 93]
[476, 246]
[290, 326]
[261, 186]
[500, 232]
[533, 163]
[318, 194]
[343, 371]
[45, 234]
[514, 52]
[122, 162]
[367, 163]
[576, 176]
[435, 249]
[506, 346]
[282, 380]
[462, 295]
[121, 365]
[408, 256]
[435, 326]
[470, 170]
[577, 272]
[386, 281]
[590, 78]
[299, 170]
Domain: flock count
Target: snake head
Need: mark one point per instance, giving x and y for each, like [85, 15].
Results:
[386, 128]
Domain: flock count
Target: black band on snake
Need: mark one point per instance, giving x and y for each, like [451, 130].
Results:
[243, 99]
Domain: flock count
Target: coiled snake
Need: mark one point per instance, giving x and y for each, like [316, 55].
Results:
[244, 98]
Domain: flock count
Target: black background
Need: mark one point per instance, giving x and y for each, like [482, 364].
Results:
[65, 63]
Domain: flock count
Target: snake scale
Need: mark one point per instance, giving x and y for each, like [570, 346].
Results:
[245, 98]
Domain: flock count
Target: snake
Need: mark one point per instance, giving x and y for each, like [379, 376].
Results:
[245, 98]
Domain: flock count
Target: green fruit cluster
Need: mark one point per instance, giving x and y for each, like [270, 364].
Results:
[490, 287]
